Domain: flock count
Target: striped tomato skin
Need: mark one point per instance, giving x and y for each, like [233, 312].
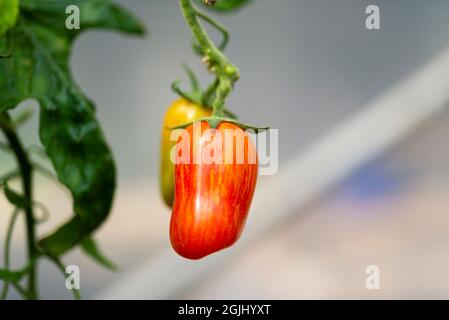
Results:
[212, 198]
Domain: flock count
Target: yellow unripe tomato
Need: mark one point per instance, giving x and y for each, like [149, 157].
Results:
[180, 112]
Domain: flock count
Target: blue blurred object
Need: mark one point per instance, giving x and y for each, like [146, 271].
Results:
[374, 181]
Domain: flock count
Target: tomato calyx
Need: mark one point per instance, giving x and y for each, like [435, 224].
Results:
[197, 95]
[215, 121]
[193, 96]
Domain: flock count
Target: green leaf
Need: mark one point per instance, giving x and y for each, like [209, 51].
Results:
[8, 275]
[91, 249]
[94, 14]
[227, 5]
[15, 198]
[41, 45]
[9, 10]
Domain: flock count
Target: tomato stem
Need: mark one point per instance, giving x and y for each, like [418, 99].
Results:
[221, 28]
[227, 74]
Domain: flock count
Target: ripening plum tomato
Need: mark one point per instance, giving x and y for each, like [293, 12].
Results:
[212, 199]
[180, 112]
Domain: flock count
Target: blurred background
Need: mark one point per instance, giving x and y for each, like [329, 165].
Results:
[307, 66]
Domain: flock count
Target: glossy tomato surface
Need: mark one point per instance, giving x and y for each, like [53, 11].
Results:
[212, 200]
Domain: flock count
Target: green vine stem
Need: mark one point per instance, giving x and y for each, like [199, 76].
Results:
[221, 28]
[26, 171]
[227, 73]
[6, 252]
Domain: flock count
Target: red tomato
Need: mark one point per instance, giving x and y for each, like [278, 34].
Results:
[212, 200]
